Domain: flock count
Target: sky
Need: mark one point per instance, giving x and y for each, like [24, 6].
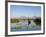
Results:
[28, 11]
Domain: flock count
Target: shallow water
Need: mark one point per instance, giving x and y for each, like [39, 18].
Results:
[13, 28]
[26, 29]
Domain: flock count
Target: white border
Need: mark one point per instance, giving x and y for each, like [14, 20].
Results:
[24, 32]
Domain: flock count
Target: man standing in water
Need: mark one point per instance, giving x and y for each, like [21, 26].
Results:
[29, 22]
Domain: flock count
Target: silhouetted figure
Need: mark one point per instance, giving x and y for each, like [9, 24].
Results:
[29, 22]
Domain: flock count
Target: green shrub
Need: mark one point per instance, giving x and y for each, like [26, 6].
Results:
[37, 21]
[14, 20]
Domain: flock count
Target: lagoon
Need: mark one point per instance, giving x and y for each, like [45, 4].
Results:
[23, 26]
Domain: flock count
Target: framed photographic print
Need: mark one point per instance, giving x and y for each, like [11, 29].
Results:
[25, 18]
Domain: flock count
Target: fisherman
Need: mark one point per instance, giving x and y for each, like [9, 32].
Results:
[29, 22]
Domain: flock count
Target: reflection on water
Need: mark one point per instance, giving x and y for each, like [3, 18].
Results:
[23, 26]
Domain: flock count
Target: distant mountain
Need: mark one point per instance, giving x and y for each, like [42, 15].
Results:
[24, 17]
